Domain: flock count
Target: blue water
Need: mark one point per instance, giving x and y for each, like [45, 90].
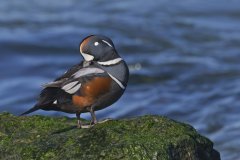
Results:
[183, 58]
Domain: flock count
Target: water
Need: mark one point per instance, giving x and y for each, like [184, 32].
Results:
[183, 57]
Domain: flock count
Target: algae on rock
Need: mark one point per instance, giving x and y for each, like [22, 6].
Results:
[147, 137]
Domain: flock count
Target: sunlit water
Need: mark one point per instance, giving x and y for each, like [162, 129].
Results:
[183, 57]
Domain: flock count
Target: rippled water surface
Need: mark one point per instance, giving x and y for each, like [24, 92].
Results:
[183, 57]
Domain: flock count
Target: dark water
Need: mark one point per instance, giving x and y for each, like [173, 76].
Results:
[183, 56]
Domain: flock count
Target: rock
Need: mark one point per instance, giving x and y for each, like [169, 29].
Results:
[147, 137]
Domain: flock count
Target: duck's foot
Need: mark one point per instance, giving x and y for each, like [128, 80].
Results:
[105, 120]
[86, 126]
[93, 123]
[99, 122]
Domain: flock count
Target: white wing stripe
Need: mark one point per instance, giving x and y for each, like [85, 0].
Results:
[86, 71]
[74, 89]
[69, 85]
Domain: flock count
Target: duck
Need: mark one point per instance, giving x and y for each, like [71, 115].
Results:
[94, 84]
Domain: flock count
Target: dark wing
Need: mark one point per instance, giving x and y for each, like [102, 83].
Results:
[63, 88]
[64, 77]
[71, 71]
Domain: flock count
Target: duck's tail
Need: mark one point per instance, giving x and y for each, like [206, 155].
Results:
[34, 108]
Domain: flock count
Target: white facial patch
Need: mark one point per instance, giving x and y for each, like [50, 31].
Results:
[107, 43]
[87, 57]
[96, 43]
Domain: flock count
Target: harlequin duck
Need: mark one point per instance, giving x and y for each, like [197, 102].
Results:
[95, 83]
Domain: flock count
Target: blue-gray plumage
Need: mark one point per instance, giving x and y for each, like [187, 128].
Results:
[96, 83]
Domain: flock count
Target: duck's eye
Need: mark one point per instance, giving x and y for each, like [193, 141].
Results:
[96, 43]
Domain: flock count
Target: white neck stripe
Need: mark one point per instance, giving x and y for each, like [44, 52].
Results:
[110, 62]
[117, 81]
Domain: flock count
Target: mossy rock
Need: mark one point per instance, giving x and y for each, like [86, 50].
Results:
[147, 137]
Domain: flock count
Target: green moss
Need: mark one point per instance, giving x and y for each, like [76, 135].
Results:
[147, 137]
